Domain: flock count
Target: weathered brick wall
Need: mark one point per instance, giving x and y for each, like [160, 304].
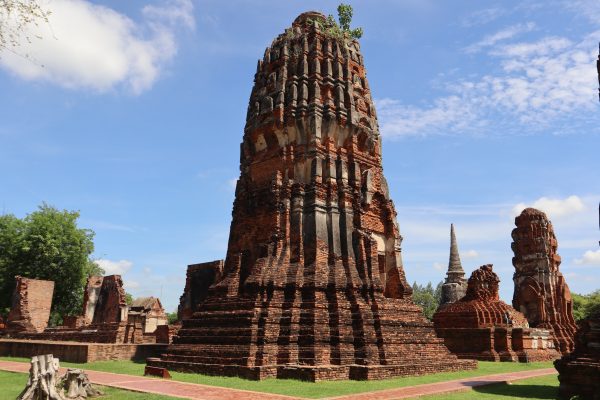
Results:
[31, 304]
[199, 278]
[79, 352]
[90, 298]
[111, 305]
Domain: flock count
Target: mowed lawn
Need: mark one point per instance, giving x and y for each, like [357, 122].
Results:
[12, 384]
[540, 388]
[315, 390]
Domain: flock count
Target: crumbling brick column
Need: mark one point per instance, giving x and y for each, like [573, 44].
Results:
[541, 292]
[31, 304]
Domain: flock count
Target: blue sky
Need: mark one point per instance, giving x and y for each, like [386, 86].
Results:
[132, 112]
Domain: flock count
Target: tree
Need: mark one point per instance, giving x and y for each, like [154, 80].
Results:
[172, 317]
[345, 17]
[47, 244]
[585, 305]
[427, 297]
[342, 30]
[16, 17]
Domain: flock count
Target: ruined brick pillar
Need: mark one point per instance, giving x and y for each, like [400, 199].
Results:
[313, 283]
[31, 304]
[541, 292]
[111, 304]
[455, 285]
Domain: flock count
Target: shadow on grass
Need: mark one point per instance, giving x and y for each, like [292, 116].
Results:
[540, 392]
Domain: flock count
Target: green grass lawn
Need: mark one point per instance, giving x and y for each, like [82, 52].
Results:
[541, 388]
[12, 384]
[306, 389]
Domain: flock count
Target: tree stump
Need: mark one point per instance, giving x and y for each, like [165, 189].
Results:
[42, 379]
[77, 385]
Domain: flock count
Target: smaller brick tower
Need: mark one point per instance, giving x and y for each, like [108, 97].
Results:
[455, 286]
[541, 292]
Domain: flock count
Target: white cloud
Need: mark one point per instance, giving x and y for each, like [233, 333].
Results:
[554, 208]
[174, 11]
[483, 17]
[232, 183]
[131, 284]
[469, 254]
[589, 258]
[114, 267]
[90, 46]
[543, 85]
[439, 266]
[507, 33]
[400, 120]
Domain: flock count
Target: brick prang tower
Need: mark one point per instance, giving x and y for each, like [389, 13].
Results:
[541, 292]
[313, 284]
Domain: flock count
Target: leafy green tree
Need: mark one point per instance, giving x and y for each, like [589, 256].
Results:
[593, 305]
[47, 244]
[427, 298]
[585, 305]
[342, 30]
[345, 13]
[579, 304]
[172, 317]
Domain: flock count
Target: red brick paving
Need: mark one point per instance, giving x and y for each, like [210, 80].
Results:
[205, 392]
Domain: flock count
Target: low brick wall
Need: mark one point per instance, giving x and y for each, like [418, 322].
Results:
[79, 352]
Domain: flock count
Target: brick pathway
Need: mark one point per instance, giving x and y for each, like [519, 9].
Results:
[447, 386]
[205, 392]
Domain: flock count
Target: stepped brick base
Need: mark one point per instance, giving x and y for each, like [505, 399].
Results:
[500, 344]
[378, 339]
[315, 373]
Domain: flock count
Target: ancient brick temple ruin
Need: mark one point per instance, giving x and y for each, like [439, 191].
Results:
[147, 312]
[579, 371]
[455, 285]
[107, 329]
[313, 285]
[541, 292]
[31, 304]
[199, 278]
[483, 327]
[106, 317]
